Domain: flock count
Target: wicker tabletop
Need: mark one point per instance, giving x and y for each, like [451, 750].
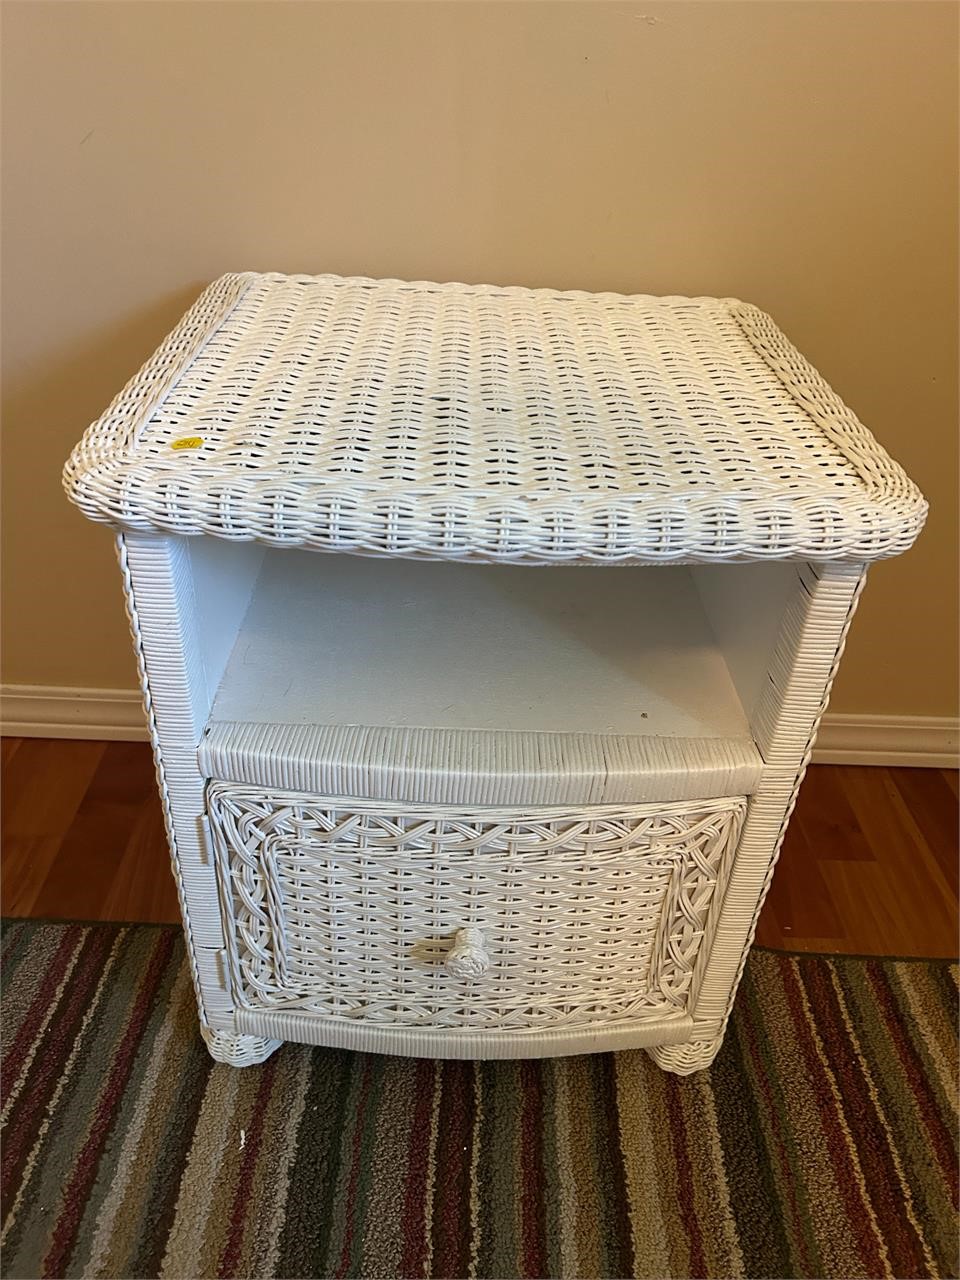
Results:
[472, 422]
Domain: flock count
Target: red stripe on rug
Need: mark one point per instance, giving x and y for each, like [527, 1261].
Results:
[785, 1181]
[678, 1133]
[856, 1207]
[56, 1044]
[451, 1227]
[414, 1258]
[241, 1196]
[940, 1137]
[85, 1169]
[40, 1006]
[880, 1175]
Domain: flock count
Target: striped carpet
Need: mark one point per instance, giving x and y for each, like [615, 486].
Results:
[821, 1143]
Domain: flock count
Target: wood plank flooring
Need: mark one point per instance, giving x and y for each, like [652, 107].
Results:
[869, 865]
[82, 832]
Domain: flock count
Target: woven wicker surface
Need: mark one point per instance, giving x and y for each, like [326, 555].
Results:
[581, 917]
[462, 766]
[502, 424]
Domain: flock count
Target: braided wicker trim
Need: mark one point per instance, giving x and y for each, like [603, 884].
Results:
[499, 424]
[354, 909]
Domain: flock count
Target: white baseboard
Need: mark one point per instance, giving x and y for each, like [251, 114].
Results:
[59, 711]
[53, 711]
[929, 742]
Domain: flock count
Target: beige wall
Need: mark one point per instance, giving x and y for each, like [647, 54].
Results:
[802, 156]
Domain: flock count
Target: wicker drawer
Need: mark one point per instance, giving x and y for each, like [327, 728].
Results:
[507, 919]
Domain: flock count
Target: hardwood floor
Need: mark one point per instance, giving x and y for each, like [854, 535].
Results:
[82, 832]
[869, 865]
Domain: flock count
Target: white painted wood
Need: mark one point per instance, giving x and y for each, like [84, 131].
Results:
[745, 604]
[224, 574]
[334, 640]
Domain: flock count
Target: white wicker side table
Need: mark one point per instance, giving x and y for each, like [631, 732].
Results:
[526, 801]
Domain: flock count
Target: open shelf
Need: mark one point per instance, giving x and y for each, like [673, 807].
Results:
[611, 676]
[339, 640]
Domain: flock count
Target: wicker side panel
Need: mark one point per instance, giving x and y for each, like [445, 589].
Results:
[584, 918]
[158, 585]
[801, 676]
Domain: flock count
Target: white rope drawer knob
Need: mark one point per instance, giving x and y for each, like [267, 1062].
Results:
[468, 957]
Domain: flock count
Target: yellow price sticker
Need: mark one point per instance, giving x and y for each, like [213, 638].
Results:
[187, 442]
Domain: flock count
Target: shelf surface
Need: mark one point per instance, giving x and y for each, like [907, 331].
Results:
[473, 422]
[474, 684]
[340, 640]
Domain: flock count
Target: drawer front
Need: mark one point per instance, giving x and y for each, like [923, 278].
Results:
[426, 916]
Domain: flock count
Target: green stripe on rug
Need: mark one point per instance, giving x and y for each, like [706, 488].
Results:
[822, 1142]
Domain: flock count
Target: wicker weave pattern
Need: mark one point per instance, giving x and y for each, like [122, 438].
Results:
[157, 595]
[504, 769]
[473, 422]
[478, 423]
[811, 643]
[348, 909]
